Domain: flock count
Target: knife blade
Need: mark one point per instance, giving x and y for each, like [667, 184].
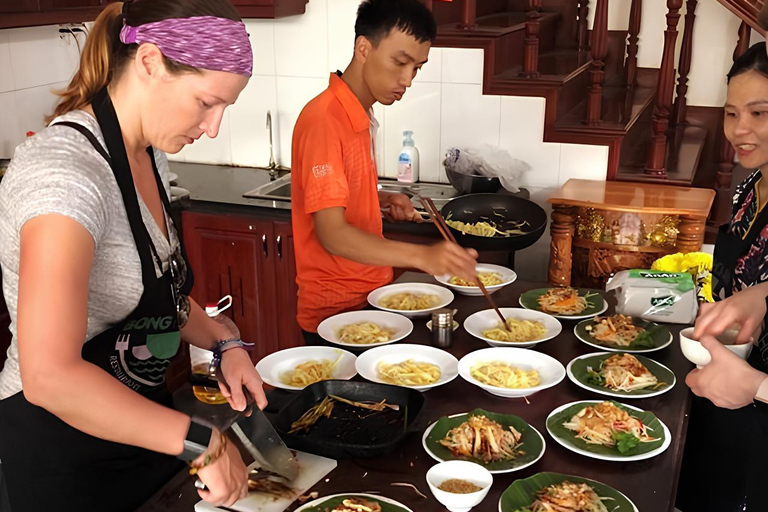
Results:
[255, 433]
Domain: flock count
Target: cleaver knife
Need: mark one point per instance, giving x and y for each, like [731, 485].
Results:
[251, 429]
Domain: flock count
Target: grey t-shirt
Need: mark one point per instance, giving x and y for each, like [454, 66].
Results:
[58, 171]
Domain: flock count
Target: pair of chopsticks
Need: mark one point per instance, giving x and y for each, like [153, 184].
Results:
[438, 220]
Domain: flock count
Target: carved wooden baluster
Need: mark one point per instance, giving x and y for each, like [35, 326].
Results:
[691, 233]
[599, 50]
[582, 29]
[469, 15]
[531, 46]
[721, 209]
[686, 53]
[630, 69]
[662, 111]
[560, 258]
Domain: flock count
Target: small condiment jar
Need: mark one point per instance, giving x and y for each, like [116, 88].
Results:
[442, 328]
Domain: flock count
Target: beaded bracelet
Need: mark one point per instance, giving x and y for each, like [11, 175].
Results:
[222, 346]
[209, 458]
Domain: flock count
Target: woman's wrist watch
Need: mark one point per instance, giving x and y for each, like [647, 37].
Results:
[197, 440]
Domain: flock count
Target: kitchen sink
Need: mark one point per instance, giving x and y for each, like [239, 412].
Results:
[280, 190]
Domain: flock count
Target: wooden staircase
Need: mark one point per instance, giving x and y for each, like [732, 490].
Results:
[594, 91]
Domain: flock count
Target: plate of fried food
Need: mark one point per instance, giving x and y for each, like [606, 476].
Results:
[296, 368]
[565, 302]
[621, 375]
[493, 277]
[420, 367]
[364, 329]
[413, 300]
[353, 503]
[501, 443]
[510, 372]
[525, 328]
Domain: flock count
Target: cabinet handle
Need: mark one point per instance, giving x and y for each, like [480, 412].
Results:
[279, 246]
[264, 245]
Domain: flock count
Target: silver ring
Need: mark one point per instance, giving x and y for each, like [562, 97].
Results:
[200, 485]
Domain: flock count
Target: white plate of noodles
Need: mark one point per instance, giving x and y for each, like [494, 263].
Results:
[510, 372]
[296, 368]
[526, 327]
[364, 329]
[420, 367]
[410, 299]
[494, 277]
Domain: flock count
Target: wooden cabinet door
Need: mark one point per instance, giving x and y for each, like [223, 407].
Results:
[55, 5]
[288, 330]
[19, 5]
[233, 256]
[270, 8]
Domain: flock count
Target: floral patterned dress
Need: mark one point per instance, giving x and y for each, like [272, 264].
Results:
[751, 268]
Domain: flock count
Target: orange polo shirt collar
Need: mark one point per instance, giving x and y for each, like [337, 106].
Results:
[357, 114]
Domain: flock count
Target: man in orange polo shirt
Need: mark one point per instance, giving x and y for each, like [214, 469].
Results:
[341, 253]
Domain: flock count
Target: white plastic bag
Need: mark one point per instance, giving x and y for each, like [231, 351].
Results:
[489, 161]
[656, 296]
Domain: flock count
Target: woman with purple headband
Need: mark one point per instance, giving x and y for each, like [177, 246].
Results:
[95, 277]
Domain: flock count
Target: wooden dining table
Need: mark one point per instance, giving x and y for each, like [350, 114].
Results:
[651, 484]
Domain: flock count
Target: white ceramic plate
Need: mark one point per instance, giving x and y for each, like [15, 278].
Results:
[551, 372]
[329, 328]
[445, 295]
[367, 363]
[507, 275]
[495, 471]
[610, 392]
[276, 364]
[617, 458]
[320, 501]
[481, 321]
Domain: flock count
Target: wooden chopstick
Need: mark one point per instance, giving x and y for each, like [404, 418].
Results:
[442, 226]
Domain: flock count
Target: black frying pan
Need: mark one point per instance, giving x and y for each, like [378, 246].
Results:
[501, 209]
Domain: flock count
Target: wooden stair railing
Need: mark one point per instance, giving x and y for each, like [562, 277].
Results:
[531, 44]
[599, 50]
[686, 56]
[630, 67]
[749, 11]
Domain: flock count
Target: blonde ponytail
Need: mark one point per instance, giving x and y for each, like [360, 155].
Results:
[98, 62]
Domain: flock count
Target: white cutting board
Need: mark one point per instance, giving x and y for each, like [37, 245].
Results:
[311, 469]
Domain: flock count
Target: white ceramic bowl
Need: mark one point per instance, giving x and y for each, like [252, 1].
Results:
[507, 275]
[551, 372]
[698, 355]
[277, 363]
[329, 328]
[465, 470]
[445, 295]
[481, 321]
[367, 363]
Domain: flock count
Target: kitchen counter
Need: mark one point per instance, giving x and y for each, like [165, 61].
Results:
[651, 484]
[219, 189]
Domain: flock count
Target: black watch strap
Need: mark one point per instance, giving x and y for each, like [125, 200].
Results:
[196, 442]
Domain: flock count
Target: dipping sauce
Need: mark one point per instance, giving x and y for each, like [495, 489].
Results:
[458, 486]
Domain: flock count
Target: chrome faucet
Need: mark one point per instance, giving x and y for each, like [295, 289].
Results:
[273, 167]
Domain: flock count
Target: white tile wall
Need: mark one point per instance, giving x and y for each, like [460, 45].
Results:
[40, 57]
[341, 32]
[292, 94]
[6, 77]
[10, 132]
[35, 104]
[432, 71]
[301, 42]
[247, 121]
[262, 35]
[583, 162]
[418, 111]
[462, 65]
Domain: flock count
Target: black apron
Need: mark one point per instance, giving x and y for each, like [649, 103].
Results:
[50, 465]
[726, 451]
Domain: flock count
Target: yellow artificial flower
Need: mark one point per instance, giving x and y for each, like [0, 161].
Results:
[698, 264]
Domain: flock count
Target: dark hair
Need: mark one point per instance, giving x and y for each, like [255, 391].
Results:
[104, 55]
[754, 59]
[377, 18]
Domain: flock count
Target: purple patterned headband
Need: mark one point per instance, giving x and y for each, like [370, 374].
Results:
[205, 42]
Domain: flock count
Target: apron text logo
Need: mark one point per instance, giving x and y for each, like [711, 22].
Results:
[146, 323]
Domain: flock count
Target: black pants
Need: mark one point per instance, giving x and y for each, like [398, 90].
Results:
[312, 339]
[725, 462]
[48, 465]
